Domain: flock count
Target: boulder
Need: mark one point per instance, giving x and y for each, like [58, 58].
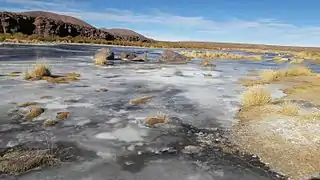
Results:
[127, 56]
[169, 56]
[142, 57]
[103, 56]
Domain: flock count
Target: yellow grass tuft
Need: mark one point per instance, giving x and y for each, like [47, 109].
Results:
[268, 76]
[255, 96]
[141, 100]
[298, 71]
[34, 112]
[271, 75]
[151, 121]
[50, 122]
[39, 71]
[26, 104]
[219, 55]
[289, 109]
[16, 162]
[63, 115]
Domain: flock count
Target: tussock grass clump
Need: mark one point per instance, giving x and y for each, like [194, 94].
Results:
[151, 121]
[26, 104]
[289, 109]
[63, 115]
[271, 75]
[268, 76]
[141, 100]
[16, 162]
[50, 122]
[34, 112]
[42, 72]
[39, 71]
[255, 96]
[298, 71]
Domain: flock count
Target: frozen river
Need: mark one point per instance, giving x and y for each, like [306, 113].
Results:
[120, 146]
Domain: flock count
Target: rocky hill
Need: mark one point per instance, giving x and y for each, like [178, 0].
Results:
[51, 24]
[126, 34]
[57, 17]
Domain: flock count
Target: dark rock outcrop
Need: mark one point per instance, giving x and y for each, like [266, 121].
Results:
[130, 56]
[142, 57]
[50, 24]
[127, 56]
[169, 56]
[14, 23]
[43, 26]
[127, 35]
[57, 17]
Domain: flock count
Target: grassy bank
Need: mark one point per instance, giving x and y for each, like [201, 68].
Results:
[282, 131]
[297, 52]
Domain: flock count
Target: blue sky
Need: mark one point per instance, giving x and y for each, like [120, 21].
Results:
[284, 22]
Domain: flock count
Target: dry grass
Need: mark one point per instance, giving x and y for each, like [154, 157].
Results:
[289, 109]
[255, 96]
[312, 116]
[298, 71]
[206, 63]
[63, 115]
[141, 100]
[268, 76]
[50, 122]
[42, 72]
[280, 59]
[151, 121]
[219, 55]
[26, 104]
[39, 71]
[271, 75]
[34, 112]
[14, 74]
[297, 61]
[306, 88]
[59, 80]
[46, 97]
[73, 75]
[16, 162]
[256, 112]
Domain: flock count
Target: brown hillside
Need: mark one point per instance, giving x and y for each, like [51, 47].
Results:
[126, 34]
[57, 17]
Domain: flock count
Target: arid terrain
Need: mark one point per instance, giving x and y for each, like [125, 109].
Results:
[73, 100]
[140, 113]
